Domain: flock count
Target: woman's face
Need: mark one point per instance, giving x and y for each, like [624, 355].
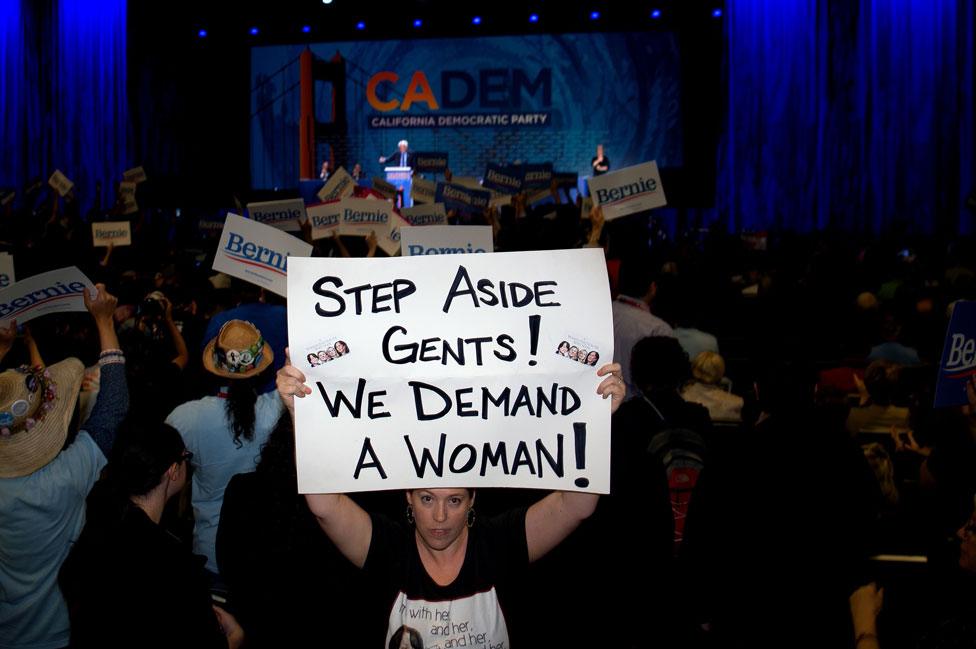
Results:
[341, 348]
[573, 353]
[591, 358]
[440, 515]
[331, 352]
[564, 349]
[967, 549]
[581, 356]
[323, 356]
[313, 360]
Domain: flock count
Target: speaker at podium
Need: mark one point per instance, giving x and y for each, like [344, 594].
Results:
[400, 177]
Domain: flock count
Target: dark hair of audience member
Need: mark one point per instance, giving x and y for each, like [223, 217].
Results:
[658, 363]
[241, 397]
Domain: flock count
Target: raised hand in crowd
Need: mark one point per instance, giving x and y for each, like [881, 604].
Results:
[343, 251]
[596, 226]
[230, 628]
[306, 228]
[371, 243]
[108, 255]
[182, 353]
[866, 603]
[7, 336]
[291, 383]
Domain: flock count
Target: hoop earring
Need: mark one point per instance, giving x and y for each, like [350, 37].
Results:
[410, 514]
[471, 517]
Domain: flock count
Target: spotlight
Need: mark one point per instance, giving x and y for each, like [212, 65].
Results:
[533, 18]
[476, 20]
[655, 14]
[254, 31]
[360, 25]
[202, 33]
[306, 29]
[418, 23]
[326, 2]
[716, 13]
[594, 15]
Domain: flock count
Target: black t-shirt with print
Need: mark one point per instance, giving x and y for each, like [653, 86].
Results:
[472, 606]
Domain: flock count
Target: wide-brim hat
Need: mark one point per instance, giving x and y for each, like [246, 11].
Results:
[36, 407]
[239, 351]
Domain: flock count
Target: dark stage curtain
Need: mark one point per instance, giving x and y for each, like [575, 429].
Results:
[63, 97]
[855, 114]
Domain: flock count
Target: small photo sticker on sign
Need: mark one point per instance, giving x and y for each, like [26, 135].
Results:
[579, 351]
[326, 351]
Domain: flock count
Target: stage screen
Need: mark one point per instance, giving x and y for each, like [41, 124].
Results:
[534, 99]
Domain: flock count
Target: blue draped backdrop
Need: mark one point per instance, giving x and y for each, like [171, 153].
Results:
[849, 113]
[63, 97]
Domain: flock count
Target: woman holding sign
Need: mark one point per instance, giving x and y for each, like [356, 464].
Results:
[451, 573]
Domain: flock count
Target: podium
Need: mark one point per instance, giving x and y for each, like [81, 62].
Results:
[400, 177]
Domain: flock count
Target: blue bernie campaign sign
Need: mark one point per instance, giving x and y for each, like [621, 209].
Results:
[430, 161]
[537, 176]
[504, 179]
[463, 199]
[958, 364]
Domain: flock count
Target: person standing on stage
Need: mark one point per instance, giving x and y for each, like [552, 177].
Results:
[325, 172]
[600, 162]
[402, 158]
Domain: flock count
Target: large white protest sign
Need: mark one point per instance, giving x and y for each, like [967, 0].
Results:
[360, 216]
[55, 291]
[451, 371]
[117, 233]
[446, 240]
[7, 277]
[136, 175]
[422, 191]
[257, 253]
[325, 219]
[339, 185]
[630, 190]
[60, 182]
[284, 215]
[427, 214]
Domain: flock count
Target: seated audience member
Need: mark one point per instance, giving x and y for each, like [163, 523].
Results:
[878, 413]
[708, 369]
[265, 312]
[632, 317]
[128, 582]
[225, 433]
[956, 625]
[156, 356]
[891, 349]
[47, 468]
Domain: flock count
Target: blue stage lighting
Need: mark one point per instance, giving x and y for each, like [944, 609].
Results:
[360, 25]
[476, 20]
[306, 29]
[716, 13]
[533, 18]
[594, 15]
[254, 31]
[418, 23]
[202, 33]
[655, 14]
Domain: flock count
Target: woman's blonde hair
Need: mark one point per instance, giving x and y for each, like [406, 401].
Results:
[708, 367]
[884, 470]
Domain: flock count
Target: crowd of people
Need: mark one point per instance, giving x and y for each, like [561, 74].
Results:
[773, 435]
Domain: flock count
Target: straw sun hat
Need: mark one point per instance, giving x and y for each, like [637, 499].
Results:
[36, 407]
[238, 352]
